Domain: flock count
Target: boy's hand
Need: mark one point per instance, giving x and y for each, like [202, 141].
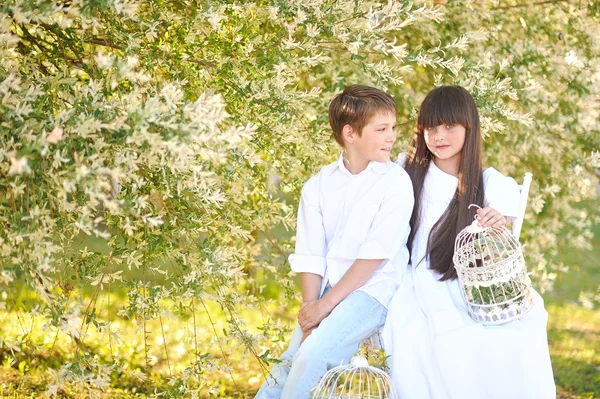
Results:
[489, 217]
[312, 313]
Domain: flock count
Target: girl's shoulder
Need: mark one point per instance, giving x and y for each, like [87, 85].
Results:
[501, 192]
[492, 178]
[401, 160]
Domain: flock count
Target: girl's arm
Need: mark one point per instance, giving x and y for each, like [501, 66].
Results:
[502, 199]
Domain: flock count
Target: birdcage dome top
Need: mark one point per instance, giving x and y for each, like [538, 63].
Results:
[357, 380]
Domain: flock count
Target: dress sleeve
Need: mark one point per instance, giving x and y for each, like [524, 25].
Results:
[309, 256]
[391, 226]
[401, 160]
[501, 193]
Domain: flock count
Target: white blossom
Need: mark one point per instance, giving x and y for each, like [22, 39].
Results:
[18, 165]
[104, 60]
[55, 135]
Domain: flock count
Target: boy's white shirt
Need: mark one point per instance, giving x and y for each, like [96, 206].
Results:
[344, 217]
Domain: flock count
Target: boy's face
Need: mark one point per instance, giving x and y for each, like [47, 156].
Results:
[377, 138]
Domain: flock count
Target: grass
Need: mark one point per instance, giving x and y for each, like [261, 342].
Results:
[573, 335]
[171, 348]
[574, 331]
[574, 338]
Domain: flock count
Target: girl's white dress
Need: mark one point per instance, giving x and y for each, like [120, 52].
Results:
[436, 350]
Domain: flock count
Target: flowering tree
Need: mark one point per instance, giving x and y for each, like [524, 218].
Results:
[156, 150]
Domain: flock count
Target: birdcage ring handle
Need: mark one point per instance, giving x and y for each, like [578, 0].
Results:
[476, 217]
[474, 227]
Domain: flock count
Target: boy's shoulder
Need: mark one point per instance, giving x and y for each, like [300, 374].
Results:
[394, 176]
[390, 168]
[398, 174]
[315, 181]
[396, 169]
[328, 169]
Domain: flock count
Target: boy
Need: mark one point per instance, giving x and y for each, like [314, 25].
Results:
[353, 224]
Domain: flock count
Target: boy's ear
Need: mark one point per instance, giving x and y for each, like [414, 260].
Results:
[348, 134]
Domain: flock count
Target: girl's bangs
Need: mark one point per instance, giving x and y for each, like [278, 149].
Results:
[443, 106]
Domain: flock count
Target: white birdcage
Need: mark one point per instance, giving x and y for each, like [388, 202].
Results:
[492, 273]
[356, 380]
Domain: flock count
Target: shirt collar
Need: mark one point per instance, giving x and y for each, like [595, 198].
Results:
[377, 167]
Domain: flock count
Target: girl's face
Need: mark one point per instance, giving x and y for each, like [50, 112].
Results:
[445, 141]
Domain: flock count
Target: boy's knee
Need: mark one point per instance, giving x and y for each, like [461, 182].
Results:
[310, 356]
[304, 356]
[318, 357]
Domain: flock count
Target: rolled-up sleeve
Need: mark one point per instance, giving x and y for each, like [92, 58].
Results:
[309, 256]
[391, 226]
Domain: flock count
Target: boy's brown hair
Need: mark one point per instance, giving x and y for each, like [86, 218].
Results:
[355, 106]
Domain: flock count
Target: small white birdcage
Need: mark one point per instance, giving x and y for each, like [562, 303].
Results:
[356, 380]
[492, 273]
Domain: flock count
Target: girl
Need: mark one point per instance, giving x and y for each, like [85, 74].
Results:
[436, 350]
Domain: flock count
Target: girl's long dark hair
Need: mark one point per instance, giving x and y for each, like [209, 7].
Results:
[448, 105]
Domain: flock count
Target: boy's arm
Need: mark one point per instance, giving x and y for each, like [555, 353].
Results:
[388, 233]
[308, 258]
[311, 286]
[312, 313]
[358, 274]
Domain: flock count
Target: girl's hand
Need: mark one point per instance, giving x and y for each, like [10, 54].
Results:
[488, 217]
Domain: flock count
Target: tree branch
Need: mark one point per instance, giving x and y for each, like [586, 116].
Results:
[26, 51]
[104, 42]
[67, 39]
[529, 4]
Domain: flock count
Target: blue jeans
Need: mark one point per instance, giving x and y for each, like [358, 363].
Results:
[334, 342]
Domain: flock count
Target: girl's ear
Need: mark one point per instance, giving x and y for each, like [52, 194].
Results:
[348, 134]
